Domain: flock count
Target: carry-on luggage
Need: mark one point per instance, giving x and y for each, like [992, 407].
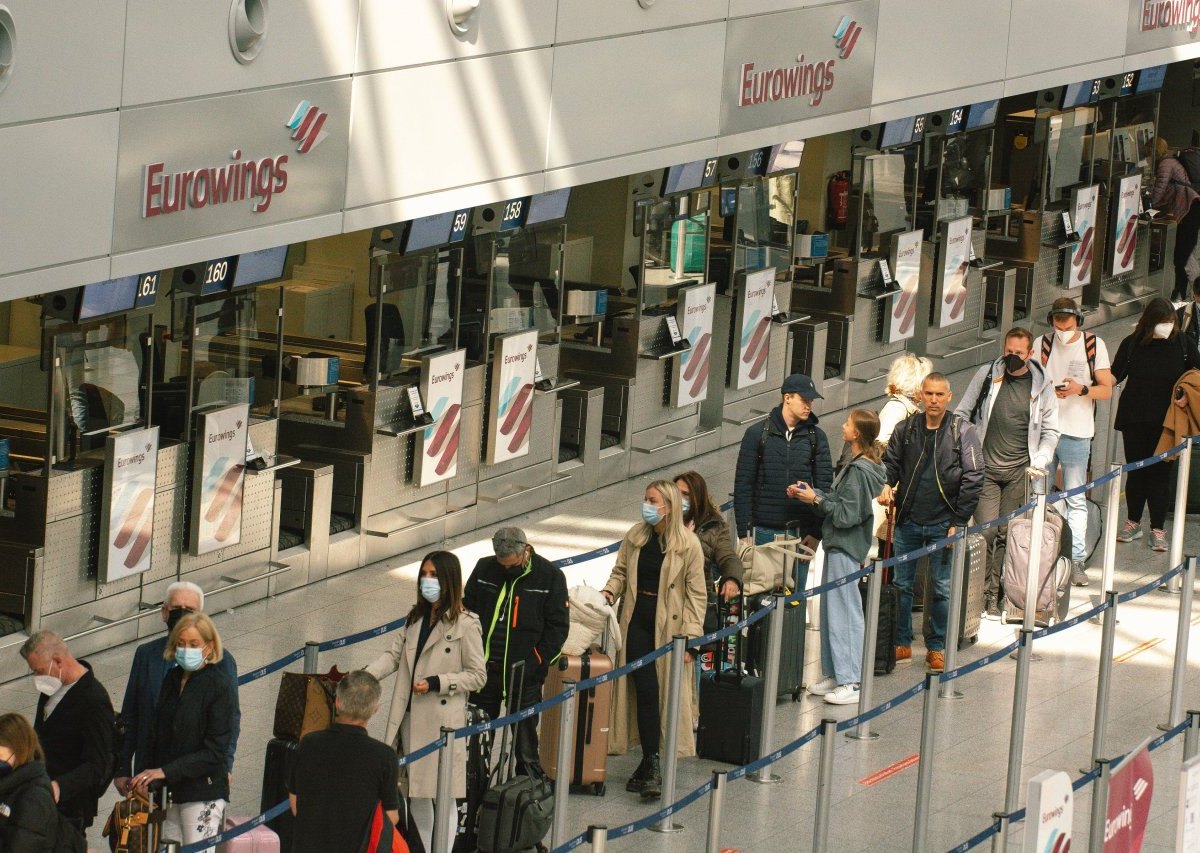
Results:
[791, 650]
[974, 581]
[731, 705]
[888, 627]
[589, 766]
[479, 754]
[135, 824]
[1053, 597]
[516, 811]
[281, 752]
[261, 839]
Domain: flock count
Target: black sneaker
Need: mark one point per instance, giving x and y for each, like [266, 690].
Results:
[991, 608]
[652, 787]
[637, 782]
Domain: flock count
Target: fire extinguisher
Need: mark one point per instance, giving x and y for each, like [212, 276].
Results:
[838, 199]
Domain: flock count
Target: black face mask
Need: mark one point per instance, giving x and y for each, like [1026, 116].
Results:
[5, 769]
[175, 614]
[1013, 362]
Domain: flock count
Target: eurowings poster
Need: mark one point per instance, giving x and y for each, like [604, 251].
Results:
[754, 328]
[442, 388]
[695, 324]
[127, 524]
[218, 479]
[900, 310]
[951, 299]
[1078, 259]
[1125, 219]
[511, 401]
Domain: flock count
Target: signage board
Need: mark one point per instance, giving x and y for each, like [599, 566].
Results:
[900, 318]
[794, 65]
[510, 411]
[218, 478]
[127, 520]
[950, 300]
[754, 328]
[1077, 263]
[1187, 835]
[1124, 223]
[442, 386]
[1130, 790]
[1049, 813]
[695, 322]
[1155, 24]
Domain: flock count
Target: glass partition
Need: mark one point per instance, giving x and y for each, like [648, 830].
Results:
[419, 311]
[674, 251]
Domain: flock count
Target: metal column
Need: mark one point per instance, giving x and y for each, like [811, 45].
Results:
[670, 751]
[445, 794]
[770, 688]
[716, 805]
[1179, 519]
[1182, 633]
[311, 650]
[824, 785]
[874, 584]
[958, 562]
[925, 764]
[562, 766]
[1108, 637]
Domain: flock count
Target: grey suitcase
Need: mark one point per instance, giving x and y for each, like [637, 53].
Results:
[1052, 599]
[971, 615]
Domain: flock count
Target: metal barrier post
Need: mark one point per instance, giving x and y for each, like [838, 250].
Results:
[445, 801]
[311, 649]
[874, 585]
[716, 803]
[670, 751]
[1191, 736]
[1016, 740]
[598, 838]
[958, 562]
[770, 689]
[562, 764]
[1182, 631]
[1099, 807]
[1112, 520]
[1108, 637]
[1179, 519]
[1000, 839]
[1035, 558]
[925, 763]
[824, 785]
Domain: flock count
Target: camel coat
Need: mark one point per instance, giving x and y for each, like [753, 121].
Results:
[454, 653]
[681, 603]
[1182, 421]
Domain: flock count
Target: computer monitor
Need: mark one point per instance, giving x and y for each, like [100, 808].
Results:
[684, 177]
[115, 296]
[1151, 79]
[982, 114]
[428, 231]
[1077, 95]
[548, 206]
[786, 156]
[897, 133]
[258, 267]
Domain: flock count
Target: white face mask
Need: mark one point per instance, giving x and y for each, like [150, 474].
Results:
[1064, 337]
[1163, 330]
[47, 685]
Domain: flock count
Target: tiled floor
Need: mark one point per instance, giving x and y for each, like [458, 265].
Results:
[972, 737]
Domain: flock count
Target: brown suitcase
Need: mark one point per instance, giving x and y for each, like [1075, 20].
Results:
[590, 766]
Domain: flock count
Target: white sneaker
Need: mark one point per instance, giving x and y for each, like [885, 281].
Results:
[823, 687]
[845, 694]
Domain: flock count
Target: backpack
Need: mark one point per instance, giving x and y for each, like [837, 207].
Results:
[762, 448]
[1189, 158]
[1089, 349]
[982, 398]
[67, 839]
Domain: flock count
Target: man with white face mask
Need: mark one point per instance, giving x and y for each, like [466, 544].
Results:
[1077, 363]
[74, 723]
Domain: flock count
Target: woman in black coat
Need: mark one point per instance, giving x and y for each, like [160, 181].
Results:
[1149, 362]
[28, 817]
[193, 723]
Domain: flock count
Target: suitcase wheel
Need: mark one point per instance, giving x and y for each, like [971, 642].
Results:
[796, 694]
[598, 788]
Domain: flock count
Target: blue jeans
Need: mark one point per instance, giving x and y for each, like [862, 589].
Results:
[1072, 456]
[910, 536]
[763, 535]
[841, 622]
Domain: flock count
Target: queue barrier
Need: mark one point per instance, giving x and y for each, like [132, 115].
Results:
[863, 717]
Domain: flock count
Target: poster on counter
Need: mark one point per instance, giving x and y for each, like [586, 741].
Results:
[695, 324]
[442, 387]
[754, 325]
[127, 522]
[950, 301]
[218, 478]
[1077, 264]
[1187, 835]
[900, 310]
[511, 403]
[1051, 807]
[1125, 220]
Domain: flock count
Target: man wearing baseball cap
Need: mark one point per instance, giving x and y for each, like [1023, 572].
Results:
[521, 599]
[785, 448]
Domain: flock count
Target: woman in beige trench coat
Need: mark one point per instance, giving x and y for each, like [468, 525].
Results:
[438, 660]
[659, 577]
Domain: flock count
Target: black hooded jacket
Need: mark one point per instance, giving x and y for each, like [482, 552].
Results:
[760, 484]
[28, 817]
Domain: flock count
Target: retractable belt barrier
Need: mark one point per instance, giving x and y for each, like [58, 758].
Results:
[762, 613]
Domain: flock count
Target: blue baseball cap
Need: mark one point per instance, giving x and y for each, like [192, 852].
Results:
[800, 384]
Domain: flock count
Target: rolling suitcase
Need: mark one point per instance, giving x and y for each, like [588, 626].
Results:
[791, 650]
[887, 628]
[258, 840]
[479, 750]
[589, 767]
[731, 705]
[1052, 599]
[281, 752]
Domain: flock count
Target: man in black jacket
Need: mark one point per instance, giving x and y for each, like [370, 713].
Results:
[521, 599]
[934, 475]
[74, 723]
[786, 448]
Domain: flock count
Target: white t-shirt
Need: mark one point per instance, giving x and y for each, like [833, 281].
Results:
[1076, 415]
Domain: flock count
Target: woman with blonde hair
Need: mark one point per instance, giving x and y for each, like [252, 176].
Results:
[193, 723]
[659, 577]
[30, 823]
[904, 390]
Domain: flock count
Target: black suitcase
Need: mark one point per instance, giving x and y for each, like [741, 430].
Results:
[281, 752]
[731, 706]
[887, 627]
[791, 650]
[479, 749]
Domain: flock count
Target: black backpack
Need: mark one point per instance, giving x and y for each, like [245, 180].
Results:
[1189, 158]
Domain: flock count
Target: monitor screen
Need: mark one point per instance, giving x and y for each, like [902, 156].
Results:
[982, 114]
[429, 231]
[786, 157]
[682, 178]
[899, 132]
[1151, 79]
[260, 266]
[108, 297]
[548, 206]
[728, 202]
[1077, 95]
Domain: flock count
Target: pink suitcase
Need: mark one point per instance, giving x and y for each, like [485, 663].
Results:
[261, 839]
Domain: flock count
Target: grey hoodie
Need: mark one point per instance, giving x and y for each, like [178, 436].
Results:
[1043, 408]
[849, 520]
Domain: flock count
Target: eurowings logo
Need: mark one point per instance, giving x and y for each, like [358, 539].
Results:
[1139, 788]
[306, 125]
[846, 36]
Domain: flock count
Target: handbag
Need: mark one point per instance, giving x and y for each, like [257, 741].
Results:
[305, 703]
[766, 568]
[133, 825]
[382, 835]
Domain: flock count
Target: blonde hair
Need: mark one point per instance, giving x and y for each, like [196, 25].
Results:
[674, 535]
[207, 630]
[906, 374]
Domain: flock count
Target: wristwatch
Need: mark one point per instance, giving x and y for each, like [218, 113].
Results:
[1083, 391]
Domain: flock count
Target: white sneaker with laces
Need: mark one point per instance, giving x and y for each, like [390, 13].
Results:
[1130, 531]
[823, 687]
[845, 694]
[1158, 540]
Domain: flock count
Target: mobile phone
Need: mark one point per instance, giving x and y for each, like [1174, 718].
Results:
[1061, 387]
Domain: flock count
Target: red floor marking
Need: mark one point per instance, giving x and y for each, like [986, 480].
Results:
[889, 772]
[1138, 649]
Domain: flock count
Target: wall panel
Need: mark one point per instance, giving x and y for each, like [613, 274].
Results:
[591, 19]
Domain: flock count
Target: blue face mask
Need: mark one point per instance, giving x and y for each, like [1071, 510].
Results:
[650, 513]
[685, 505]
[431, 590]
[189, 659]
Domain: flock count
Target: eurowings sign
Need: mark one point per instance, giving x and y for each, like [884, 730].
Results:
[1155, 24]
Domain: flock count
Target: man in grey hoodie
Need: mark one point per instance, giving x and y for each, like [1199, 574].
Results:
[1013, 405]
